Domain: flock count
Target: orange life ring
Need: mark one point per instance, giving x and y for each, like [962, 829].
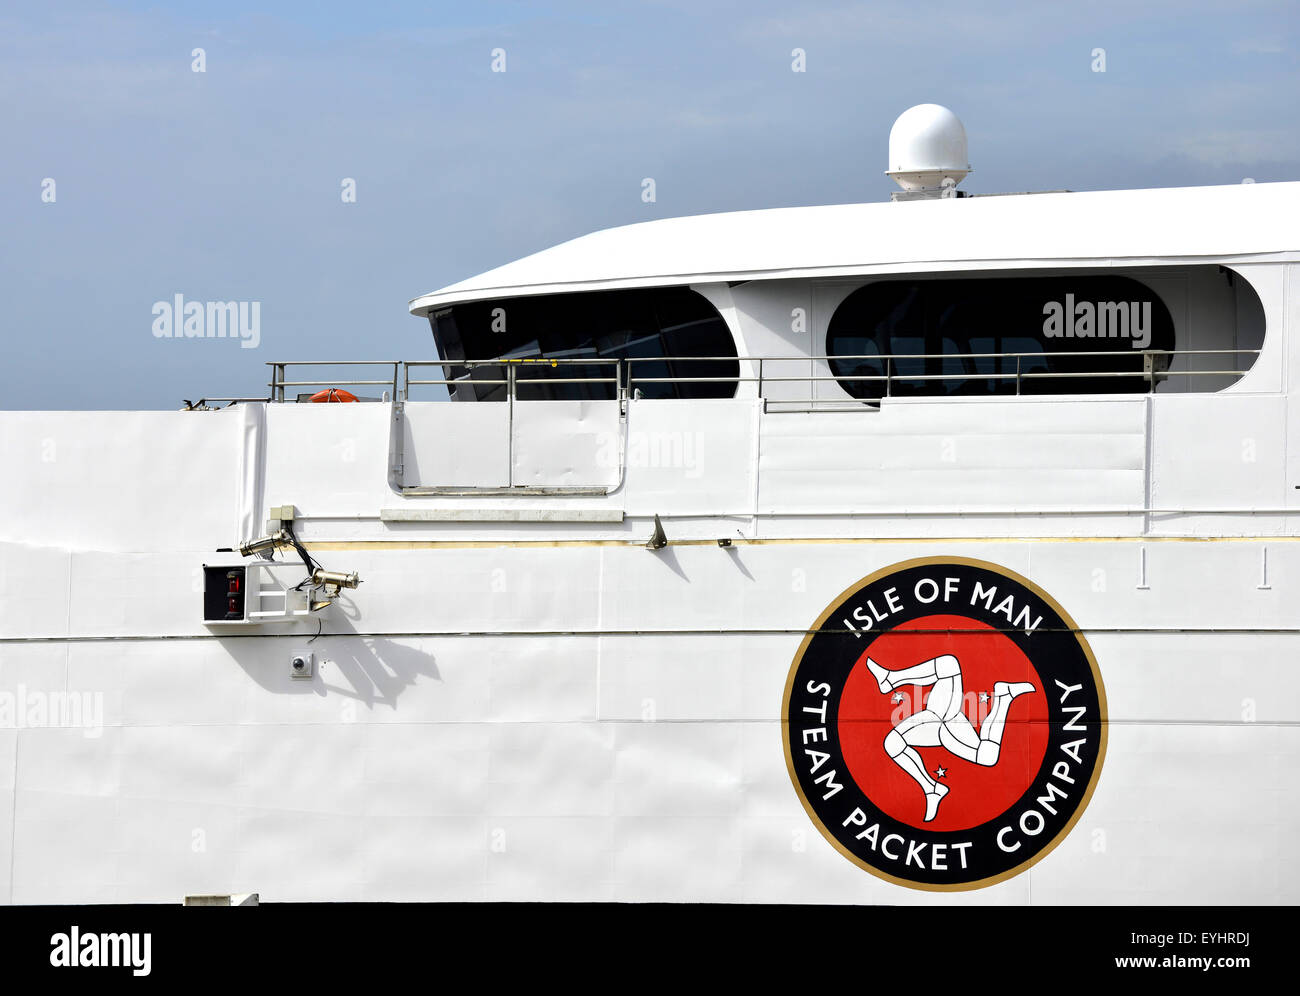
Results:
[333, 394]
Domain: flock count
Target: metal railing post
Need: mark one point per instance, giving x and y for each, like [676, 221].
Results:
[510, 428]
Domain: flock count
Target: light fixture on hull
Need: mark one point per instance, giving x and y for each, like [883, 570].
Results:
[336, 580]
[264, 546]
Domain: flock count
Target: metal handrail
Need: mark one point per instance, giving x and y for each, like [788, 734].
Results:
[624, 377]
[278, 382]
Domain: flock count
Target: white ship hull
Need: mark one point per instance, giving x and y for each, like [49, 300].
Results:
[547, 710]
[967, 573]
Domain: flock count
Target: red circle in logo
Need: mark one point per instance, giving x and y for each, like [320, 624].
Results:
[977, 791]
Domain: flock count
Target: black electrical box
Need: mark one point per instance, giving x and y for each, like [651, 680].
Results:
[223, 593]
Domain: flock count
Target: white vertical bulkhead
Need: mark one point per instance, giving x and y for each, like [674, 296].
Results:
[251, 497]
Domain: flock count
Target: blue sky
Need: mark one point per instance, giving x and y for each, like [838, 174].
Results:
[225, 185]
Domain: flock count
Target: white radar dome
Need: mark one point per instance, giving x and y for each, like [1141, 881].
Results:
[927, 145]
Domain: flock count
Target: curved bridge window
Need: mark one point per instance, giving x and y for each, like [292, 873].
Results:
[1000, 335]
[670, 332]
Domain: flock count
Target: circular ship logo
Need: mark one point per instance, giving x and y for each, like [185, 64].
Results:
[945, 723]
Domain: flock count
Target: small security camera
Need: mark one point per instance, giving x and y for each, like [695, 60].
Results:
[302, 664]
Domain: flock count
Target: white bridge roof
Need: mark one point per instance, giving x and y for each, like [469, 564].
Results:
[1184, 222]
